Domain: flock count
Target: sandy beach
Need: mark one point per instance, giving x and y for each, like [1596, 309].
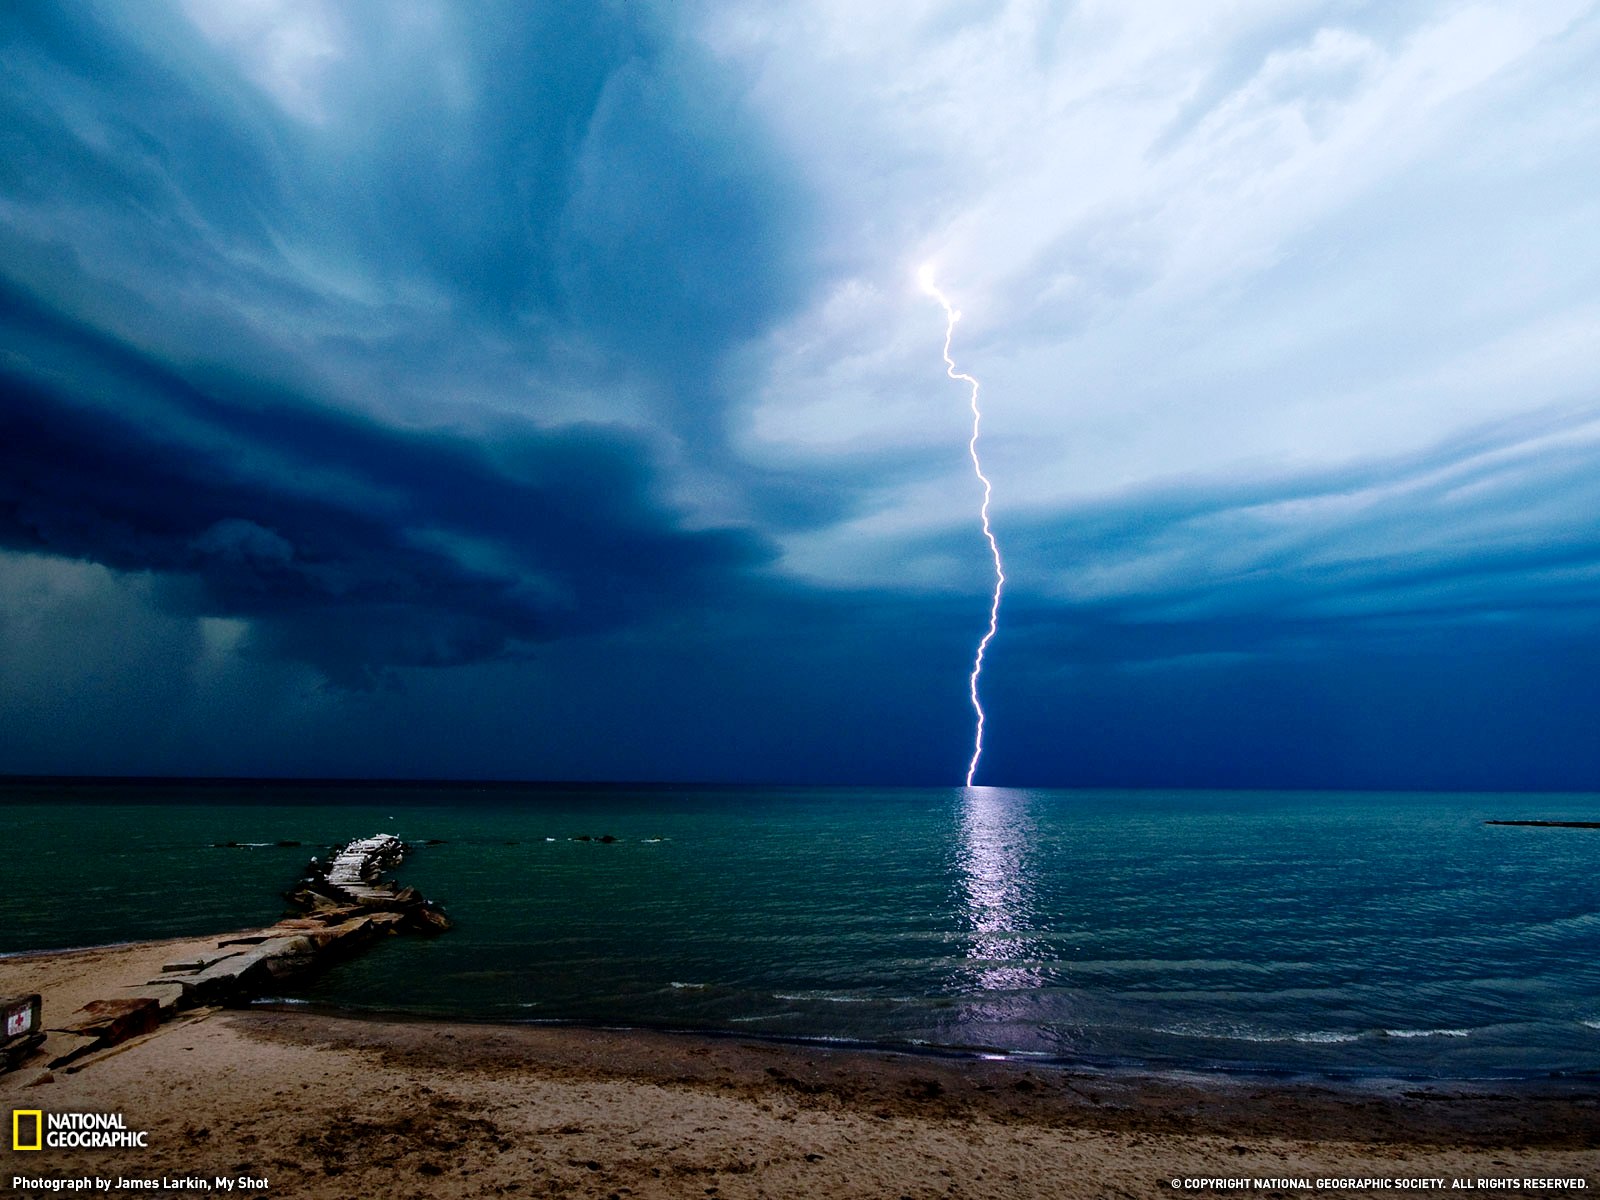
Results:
[326, 1106]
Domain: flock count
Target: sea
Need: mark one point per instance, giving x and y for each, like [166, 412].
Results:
[1389, 935]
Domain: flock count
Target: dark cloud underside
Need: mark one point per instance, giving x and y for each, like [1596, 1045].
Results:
[351, 544]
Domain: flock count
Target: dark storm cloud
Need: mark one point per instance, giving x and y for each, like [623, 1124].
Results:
[353, 547]
[188, 260]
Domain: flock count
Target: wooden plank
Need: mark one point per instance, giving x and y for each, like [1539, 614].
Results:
[114, 1021]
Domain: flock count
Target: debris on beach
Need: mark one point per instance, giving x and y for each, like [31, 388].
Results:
[101, 1024]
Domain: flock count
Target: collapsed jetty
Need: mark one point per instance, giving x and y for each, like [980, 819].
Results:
[340, 908]
[349, 886]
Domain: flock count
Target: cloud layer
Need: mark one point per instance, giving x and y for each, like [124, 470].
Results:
[371, 364]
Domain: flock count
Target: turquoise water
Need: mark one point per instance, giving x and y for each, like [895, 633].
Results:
[1383, 933]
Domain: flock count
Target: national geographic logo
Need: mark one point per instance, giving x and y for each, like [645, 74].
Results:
[34, 1129]
[22, 1121]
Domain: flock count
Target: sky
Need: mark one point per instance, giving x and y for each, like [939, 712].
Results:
[544, 391]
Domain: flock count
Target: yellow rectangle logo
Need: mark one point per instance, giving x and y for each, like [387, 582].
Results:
[17, 1114]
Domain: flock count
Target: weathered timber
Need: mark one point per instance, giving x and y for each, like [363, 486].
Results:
[117, 1019]
[167, 993]
[107, 1023]
[101, 1024]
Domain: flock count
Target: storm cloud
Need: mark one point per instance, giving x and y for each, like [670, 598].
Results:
[554, 378]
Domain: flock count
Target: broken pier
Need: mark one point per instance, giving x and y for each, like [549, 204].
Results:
[341, 907]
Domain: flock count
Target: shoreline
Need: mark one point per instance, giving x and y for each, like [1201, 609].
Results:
[1177, 1101]
[326, 1106]
[1355, 1079]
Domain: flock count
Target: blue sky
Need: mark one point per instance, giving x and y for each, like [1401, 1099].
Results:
[545, 391]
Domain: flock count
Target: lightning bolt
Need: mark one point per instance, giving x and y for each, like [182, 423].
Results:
[951, 316]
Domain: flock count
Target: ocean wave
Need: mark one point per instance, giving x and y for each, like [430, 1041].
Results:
[1259, 1036]
[1594, 1024]
[1422, 1033]
[692, 987]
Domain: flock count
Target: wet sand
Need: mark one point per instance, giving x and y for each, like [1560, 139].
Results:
[324, 1106]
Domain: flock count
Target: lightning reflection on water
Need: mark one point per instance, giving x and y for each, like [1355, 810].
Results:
[997, 903]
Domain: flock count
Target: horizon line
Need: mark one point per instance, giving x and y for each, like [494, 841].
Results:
[9, 779]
